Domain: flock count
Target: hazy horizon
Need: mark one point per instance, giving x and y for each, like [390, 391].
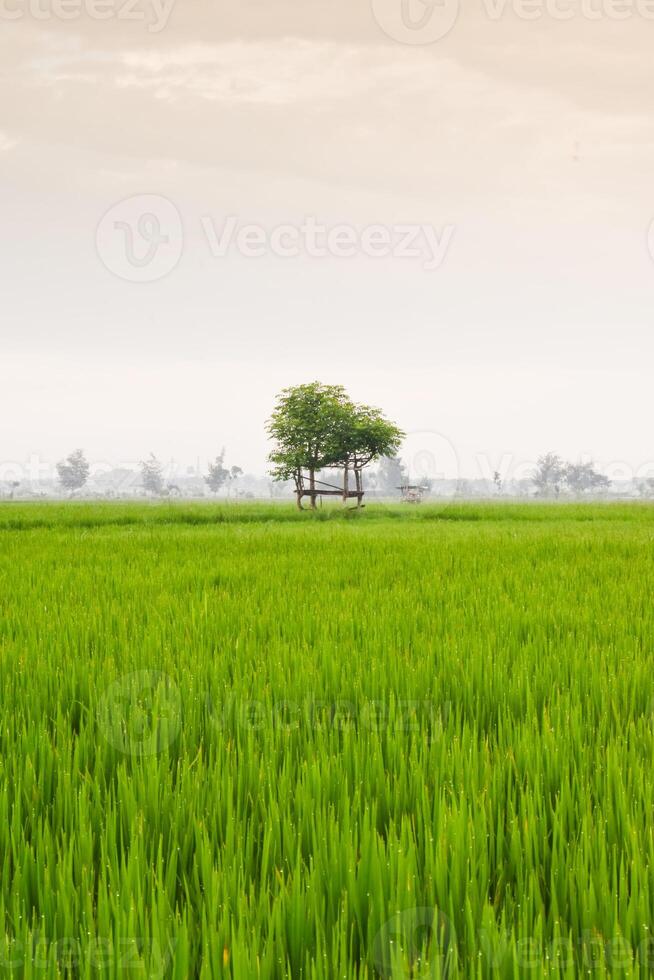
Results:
[518, 150]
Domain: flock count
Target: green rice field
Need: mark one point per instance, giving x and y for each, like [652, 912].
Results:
[242, 741]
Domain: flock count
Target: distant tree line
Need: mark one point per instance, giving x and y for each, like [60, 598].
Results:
[312, 439]
[553, 475]
[318, 429]
[74, 471]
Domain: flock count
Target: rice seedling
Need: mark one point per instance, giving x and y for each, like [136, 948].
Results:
[247, 742]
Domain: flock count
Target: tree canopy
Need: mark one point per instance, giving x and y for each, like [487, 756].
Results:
[317, 426]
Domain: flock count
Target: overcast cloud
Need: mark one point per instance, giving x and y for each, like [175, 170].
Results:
[531, 140]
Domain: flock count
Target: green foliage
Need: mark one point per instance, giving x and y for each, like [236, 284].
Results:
[251, 743]
[308, 425]
[316, 426]
[368, 436]
[218, 474]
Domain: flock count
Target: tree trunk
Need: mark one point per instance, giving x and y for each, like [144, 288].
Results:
[299, 487]
[359, 482]
[312, 488]
[346, 482]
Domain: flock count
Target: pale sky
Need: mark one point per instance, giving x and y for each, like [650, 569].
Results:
[524, 147]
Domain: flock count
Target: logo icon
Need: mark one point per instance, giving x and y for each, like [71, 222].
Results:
[141, 713]
[650, 239]
[416, 21]
[141, 238]
[413, 945]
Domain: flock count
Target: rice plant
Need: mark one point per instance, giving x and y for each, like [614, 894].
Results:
[247, 742]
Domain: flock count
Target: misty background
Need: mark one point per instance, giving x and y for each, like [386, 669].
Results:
[532, 139]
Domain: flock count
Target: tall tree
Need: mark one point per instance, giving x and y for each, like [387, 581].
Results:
[307, 425]
[74, 471]
[152, 475]
[217, 474]
[317, 426]
[549, 475]
[583, 477]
